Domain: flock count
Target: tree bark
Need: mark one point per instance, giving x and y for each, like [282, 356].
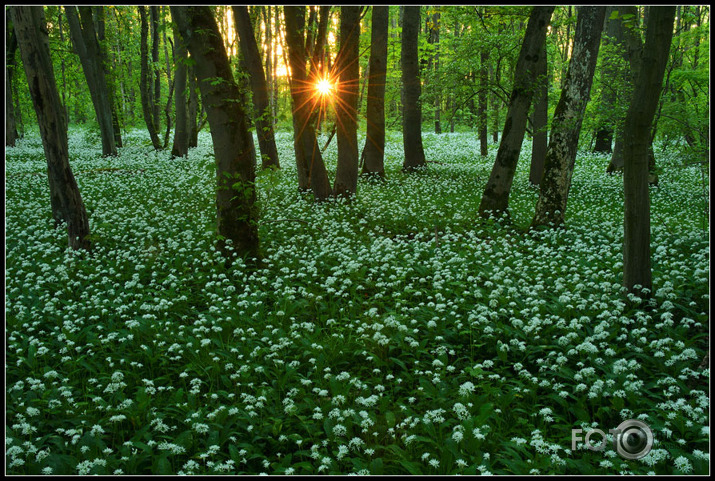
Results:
[411, 91]
[541, 120]
[145, 87]
[97, 13]
[311, 168]
[65, 198]
[193, 107]
[233, 144]
[639, 119]
[495, 199]
[568, 117]
[374, 150]
[156, 96]
[482, 110]
[11, 134]
[347, 102]
[84, 38]
[261, 98]
[180, 147]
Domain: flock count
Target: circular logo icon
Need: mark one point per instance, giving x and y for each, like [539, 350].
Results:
[634, 439]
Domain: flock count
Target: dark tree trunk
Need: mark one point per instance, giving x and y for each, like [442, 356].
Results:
[347, 102]
[613, 35]
[145, 88]
[495, 199]
[181, 134]
[639, 119]
[261, 98]
[482, 110]
[633, 46]
[374, 151]
[98, 14]
[233, 143]
[10, 47]
[568, 117]
[411, 91]
[156, 96]
[311, 168]
[84, 38]
[193, 107]
[541, 120]
[65, 198]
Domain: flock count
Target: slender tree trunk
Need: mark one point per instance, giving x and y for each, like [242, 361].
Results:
[495, 73]
[374, 150]
[181, 134]
[495, 199]
[167, 60]
[65, 198]
[349, 67]
[84, 38]
[145, 88]
[233, 143]
[639, 119]
[261, 99]
[568, 117]
[541, 120]
[411, 91]
[482, 111]
[438, 96]
[98, 15]
[193, 107]
[156, 96]
[308, 156]
[10, 47]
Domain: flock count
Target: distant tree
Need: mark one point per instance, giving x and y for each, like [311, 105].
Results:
[374, 150]
[348, 66]
[261, 98]
[540, 120]
[568, 118]
[311, 167]
[233, 143]
[145, 82]
[495, 199]
[411, 90]
[637, 137]
[65, 198]
[84, 39]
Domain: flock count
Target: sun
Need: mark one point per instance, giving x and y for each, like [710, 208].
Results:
[324, 87]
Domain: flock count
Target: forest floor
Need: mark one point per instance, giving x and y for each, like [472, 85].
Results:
[392, 334]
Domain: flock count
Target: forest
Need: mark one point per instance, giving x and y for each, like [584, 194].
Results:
[373, 240]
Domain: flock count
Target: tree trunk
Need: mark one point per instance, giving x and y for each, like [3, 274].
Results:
[261, 98]
[438, 96]
[541, 120]
[84, 38]
[98, 15]
[145, 88]
[411, 91]
[632, 47]
[156, 96]
[495, 199]
[193, 107]
[308, 157]
[65, 198]
[374, 150]
[181, 134]
[10, 47]
[347, 102]
[639, 119]
[568, 117]
[233, 143]
[482, 110]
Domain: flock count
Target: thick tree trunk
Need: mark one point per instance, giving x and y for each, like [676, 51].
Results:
[261, 99]
[411, 91]
[145, 88]
[65, 198]
[84, 38]
[10, 47]
[347, 102]
[639, 119]
[568, 117]
[374, 151]
[308, 157]
[495, 199]
[541, 120]
[233, 143]
[181, 134]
